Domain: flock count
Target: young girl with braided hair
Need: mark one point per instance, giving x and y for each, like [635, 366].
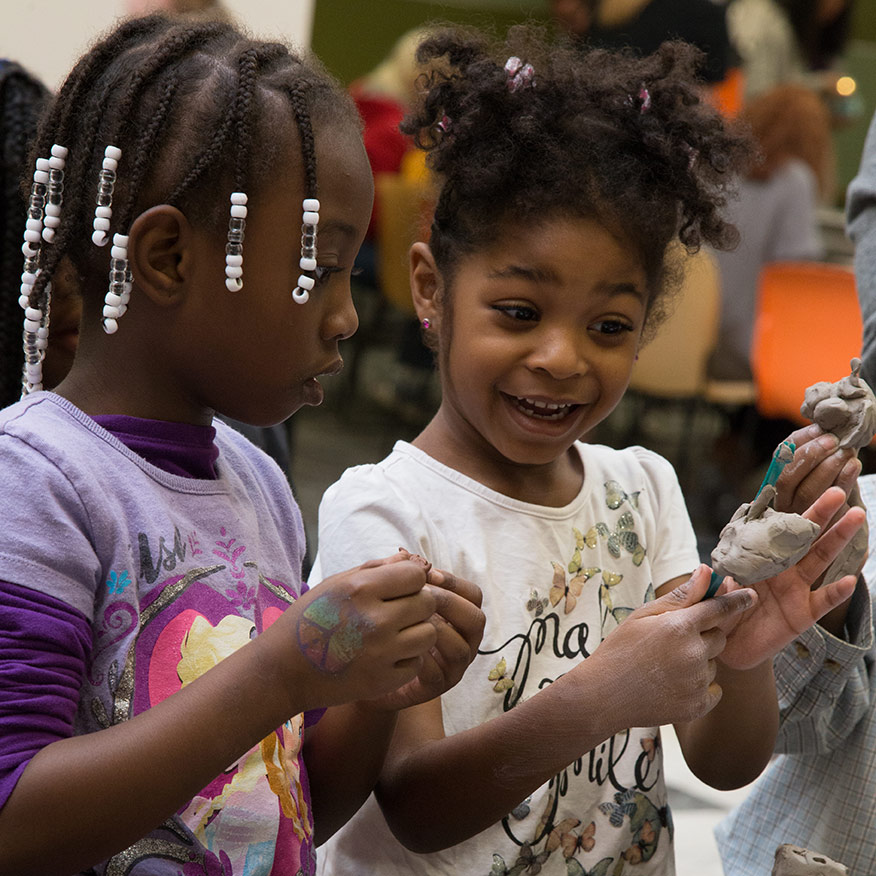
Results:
[172, 698]
[566, 182]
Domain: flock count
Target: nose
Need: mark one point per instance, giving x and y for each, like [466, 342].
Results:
[341, 320]
[560, 352]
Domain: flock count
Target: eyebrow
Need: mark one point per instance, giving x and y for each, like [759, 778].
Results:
[340, 226]
[542, 275]
[520, 272]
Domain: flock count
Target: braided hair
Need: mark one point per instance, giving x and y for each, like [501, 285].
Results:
[626, 141]
[22, 97]
[191, 106]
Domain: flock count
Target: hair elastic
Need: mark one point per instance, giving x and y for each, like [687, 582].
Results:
[307, 262]
[103, 211]
[234, 246]
[519, 74]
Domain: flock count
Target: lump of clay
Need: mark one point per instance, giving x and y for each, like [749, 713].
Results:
[760, 542]
[794, 861]
[846, 408]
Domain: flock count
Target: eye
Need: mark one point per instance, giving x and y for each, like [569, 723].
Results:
[611, 327]
[518, 312]
[322, 273]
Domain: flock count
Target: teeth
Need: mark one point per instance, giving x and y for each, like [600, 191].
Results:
[541, 404]
[551, 411]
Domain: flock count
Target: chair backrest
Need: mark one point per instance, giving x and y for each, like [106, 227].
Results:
[807, 328]
[673, 364]
[405, 216]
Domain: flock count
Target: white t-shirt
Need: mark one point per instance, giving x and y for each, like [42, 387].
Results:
[556, 581]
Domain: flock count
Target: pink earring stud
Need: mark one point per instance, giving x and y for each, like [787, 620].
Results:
[427, 323]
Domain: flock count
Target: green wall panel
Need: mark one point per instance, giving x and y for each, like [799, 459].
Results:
[352, 36]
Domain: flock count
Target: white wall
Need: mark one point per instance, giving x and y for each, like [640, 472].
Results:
[48, 36]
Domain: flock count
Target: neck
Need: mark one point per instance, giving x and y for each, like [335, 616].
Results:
[552, 484]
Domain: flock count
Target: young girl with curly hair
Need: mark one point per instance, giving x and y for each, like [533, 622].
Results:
[566, 179]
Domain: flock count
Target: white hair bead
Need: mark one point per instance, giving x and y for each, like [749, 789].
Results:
[110, 312]
[238, 211]
[238, 198]
[33, 224]
[311, 205]
[233, 284]
[99, 238]
[234, 260]
[103, 212]
[33, 313]
[31, 325]
[41, 176]
[59, 151]
[307, 264]
[101, 224]
[112, 152]
[305, 282]
[49, 235]
[56, 163]
[110, 326]
[33, 236]
[110, 164]
[28, 249]
[53, 210]
[42, 165]
[233, 272]
[300, 296]
[112, 300]
[24, 298]
[52, 221]
[310, 217]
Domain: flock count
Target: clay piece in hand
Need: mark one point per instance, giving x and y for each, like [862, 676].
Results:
[846, 408]
[760, 542]
[794, 861]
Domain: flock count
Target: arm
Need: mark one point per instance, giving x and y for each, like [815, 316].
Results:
[363, 730]
[476, 777]
[131, 776]
[861, 223]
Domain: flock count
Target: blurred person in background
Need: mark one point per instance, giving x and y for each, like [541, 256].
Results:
[22, 97]
[776, 210]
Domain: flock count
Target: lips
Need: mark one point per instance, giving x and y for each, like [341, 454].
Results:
[539, 409]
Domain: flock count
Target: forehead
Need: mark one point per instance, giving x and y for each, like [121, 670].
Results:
[559, 249]
[343, 174]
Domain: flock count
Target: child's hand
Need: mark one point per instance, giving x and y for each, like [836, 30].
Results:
[662, 657]
[357, 635]
[459, 623]
[787, 605]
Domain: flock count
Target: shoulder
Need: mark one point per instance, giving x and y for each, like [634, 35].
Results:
[635, 462]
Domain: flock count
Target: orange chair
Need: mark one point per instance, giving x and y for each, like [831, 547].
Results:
[406, 206]
[808, 328]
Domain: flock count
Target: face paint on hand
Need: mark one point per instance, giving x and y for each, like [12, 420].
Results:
[330, 633]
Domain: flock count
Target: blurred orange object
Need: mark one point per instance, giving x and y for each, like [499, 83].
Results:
[727, 94]
[406, 218]
[808, 328]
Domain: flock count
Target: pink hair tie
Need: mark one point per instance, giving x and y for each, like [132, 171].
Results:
[645, 100]
[519, 74]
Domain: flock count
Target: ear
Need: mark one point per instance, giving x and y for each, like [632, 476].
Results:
[427, 285]
[160, 253]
